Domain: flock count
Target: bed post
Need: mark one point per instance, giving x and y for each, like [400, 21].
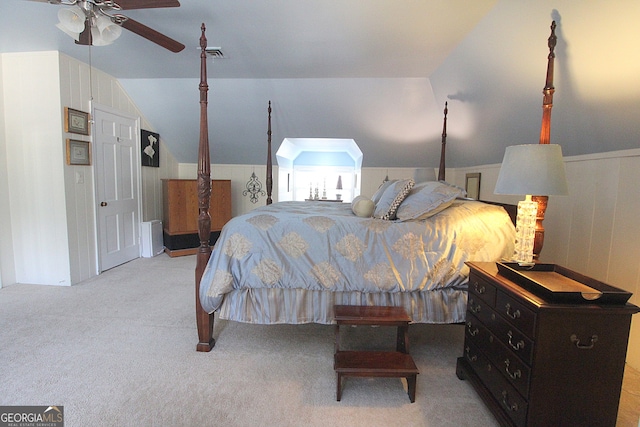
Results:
[441, 171]
[269, 164]
[204, 320]
[545, 138]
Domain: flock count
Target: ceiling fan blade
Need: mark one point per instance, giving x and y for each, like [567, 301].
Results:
[152, 35]
[146, 4]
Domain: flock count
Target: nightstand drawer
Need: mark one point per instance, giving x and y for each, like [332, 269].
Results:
[483, 289]
[516, 313]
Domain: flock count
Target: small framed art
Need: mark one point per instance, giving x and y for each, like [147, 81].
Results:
[76, 121]
[150, 144]
[472, 185]
[78, 152]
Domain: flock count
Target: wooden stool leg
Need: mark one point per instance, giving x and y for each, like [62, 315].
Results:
[402, 339]
[339, 387]
[411, 387]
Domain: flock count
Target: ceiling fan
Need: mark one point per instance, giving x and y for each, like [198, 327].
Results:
[99, 22]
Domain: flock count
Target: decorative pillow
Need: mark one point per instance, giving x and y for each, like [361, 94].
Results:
[427, 199]
[378, 194]
[363, 206]
[392, 198]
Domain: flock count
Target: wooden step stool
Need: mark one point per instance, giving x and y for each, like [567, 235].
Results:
[396, 364]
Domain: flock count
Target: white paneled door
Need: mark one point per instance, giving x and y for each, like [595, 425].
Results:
[117, 188]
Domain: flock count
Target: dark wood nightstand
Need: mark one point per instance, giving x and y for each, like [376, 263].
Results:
[375, 363]
[535, 362]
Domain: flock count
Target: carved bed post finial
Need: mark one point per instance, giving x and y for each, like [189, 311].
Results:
[269, 163]
[545, 137]
[547, 100]
[441, 171]
[204, 320]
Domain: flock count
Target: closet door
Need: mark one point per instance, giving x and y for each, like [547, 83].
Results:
[117, 188]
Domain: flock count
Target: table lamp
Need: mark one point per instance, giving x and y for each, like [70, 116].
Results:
[530, 169]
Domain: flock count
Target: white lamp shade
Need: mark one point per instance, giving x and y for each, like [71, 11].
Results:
[72, 19]
[532, 169]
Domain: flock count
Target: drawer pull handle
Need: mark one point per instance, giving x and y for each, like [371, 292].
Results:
[515, 375]
[479, 289]
[475, 309]
[472, 332]
[510, 406]
[471, 358]
[574, 339]
[514, 315]
[517, 346]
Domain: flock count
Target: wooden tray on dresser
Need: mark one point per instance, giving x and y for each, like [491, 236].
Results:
[561, 285]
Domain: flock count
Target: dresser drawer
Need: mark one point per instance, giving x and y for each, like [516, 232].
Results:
[514, 405]
[483, 289]
[477, 306]
[517, 342]
[475, 331]
[509, 365]
[516, 313]
[506, 396]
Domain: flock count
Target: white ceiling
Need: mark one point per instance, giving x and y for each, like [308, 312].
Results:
[377, 71]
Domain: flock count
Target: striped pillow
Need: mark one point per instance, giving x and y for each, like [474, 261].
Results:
[391, 199]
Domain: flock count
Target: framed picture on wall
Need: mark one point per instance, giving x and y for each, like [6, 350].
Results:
[78, 152]
[76, 121]
[150, 144]
[472, 185]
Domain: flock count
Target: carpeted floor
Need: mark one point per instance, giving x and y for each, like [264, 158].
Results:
[119, 350]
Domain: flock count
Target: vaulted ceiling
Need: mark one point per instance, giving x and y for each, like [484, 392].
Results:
[377, 71]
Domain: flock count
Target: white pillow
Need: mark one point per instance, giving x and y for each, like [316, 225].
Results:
[392, 197]
[427, 199]
[363, 206]
[378, 194]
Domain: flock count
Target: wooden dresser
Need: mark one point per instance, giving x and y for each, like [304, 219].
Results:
[180, 213]
[538, 363]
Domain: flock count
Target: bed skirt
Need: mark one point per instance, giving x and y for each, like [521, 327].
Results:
[296, 306]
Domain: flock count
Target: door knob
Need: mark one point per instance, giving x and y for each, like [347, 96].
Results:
[103, 204]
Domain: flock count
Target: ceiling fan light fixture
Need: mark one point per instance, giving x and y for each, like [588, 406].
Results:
[72, 19]
[75, 36]
[98, 23]
[109, 30]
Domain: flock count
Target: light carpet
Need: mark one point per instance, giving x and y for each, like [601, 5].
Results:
[119, 350]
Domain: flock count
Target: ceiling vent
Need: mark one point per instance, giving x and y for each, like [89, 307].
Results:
[214, 52]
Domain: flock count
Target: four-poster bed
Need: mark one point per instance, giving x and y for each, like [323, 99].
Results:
[291, 262]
